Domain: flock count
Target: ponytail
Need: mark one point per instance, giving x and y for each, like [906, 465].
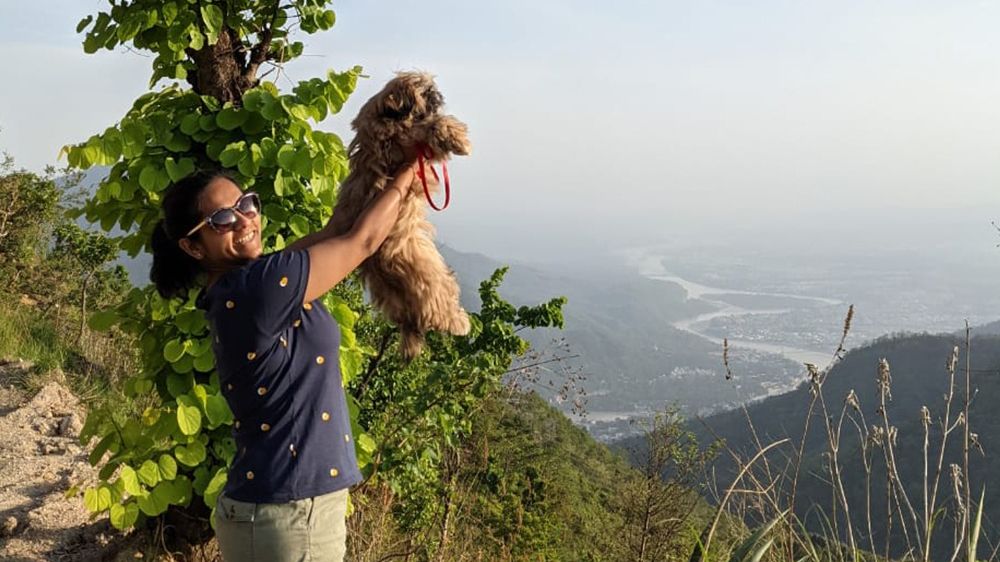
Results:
[174, 272]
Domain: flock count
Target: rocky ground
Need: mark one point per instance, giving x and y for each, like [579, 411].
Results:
[41, 463]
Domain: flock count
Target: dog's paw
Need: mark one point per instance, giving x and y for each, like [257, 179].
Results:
[460, 325]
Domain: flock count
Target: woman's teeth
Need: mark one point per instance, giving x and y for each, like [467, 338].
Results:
[248, 237]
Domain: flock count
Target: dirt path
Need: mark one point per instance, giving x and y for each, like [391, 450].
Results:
[40, 460]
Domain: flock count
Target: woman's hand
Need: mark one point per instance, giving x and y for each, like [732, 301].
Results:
[402, 182]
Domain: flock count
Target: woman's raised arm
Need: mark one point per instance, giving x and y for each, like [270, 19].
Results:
[333, 258]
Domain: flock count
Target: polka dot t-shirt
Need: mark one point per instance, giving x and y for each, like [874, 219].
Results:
[278, 365]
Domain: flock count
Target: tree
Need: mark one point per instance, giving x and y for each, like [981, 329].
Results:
[659, 505]
[29, 204]
[88, 252]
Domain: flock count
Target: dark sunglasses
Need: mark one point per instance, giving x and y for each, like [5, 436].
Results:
[224, 219]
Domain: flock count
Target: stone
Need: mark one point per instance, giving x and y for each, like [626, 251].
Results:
[70, 426]
[9, 526]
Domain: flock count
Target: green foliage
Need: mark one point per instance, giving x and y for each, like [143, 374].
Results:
[174, 29]
[417, 412]
[29, 204]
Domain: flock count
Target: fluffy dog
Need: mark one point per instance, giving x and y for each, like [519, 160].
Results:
[407, 278]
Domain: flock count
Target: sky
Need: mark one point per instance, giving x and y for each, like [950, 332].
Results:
[598, 125]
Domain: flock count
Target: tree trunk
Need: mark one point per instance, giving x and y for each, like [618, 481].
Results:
[83, 307]
[220, 69]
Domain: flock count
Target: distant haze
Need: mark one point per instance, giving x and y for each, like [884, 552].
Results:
[850, 125]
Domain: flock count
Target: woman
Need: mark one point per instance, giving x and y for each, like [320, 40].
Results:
[276, 351]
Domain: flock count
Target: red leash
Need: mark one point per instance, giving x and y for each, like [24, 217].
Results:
[424, 152]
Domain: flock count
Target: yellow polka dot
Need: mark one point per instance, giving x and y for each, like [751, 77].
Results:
[284, 342]
[334, 472]
[251, 356]
[347, 438]
[308, 306]
[320, 360]
[236, 424]
[265, 427]
[283, 282]
[230, 304]
[261, 390]
[229, 387]
[326, 416]
[298, 321]
[249, 475]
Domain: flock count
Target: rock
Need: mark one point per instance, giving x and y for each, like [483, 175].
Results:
[46, 428]
[51, 448]
[70, 426]
[53, 398]
[8, 527]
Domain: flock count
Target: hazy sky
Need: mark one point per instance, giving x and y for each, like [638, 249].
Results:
[605, 123]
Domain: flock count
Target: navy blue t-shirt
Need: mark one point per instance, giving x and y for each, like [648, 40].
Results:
[279, 368]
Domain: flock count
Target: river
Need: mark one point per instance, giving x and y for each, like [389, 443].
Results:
[650, 264]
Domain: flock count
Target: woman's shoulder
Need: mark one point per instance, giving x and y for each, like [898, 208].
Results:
[263, 293]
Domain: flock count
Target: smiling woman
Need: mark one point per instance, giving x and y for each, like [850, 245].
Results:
[275, 348]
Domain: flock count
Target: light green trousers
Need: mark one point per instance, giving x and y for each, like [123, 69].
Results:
[309, 530]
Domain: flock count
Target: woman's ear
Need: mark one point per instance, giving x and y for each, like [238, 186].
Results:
[190, 248]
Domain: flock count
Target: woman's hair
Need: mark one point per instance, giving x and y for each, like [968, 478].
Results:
[174, 272]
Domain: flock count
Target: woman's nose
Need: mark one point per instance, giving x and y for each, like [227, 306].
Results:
[242, 221]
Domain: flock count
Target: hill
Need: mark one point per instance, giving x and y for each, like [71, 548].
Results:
[918, 378]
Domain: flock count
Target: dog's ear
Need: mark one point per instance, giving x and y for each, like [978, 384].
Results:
[397, 104]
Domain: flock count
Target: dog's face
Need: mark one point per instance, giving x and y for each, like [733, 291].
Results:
[409, 96]
[406, 114]
[407, 99]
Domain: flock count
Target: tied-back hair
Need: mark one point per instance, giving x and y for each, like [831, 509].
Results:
[174, 272]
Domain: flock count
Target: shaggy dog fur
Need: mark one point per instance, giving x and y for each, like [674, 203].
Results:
[407, 278]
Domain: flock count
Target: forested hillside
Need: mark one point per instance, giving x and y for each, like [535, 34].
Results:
[918, 377]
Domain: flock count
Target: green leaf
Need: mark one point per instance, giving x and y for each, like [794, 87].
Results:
[366, 443]
[230, 118]
[152, 179]
[179, 384]
[169, 11]
[103, 498]
[154, 503]
[84, 23]
[212, 16]
[102, 321]
[149, 473]
[351, 362]
[124, 516]
[180, 169]
[188, 420]
[191, 454]
[130, 480]
[299, 225]
[102, 447]
[204, 362]
[197, 38]
[215, 486]
[173, 351]
[217, 410]
[167, 466]
[90, 500]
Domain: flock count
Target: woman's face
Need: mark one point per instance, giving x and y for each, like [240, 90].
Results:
[232, 247]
